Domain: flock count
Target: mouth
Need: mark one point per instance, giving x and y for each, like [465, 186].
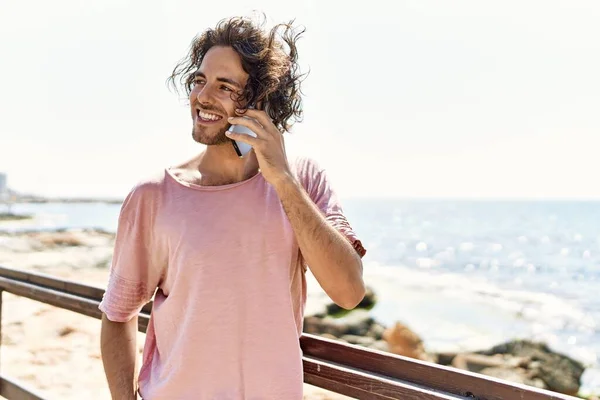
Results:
[205, 117]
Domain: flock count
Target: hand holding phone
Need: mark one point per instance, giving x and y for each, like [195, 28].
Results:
[241, 148]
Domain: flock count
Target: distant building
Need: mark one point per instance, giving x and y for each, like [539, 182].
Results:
[3, 187]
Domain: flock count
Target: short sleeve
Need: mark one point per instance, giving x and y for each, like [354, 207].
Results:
[318, 186]
[138, 262]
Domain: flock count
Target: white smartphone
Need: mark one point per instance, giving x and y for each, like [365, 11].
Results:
[241, 148]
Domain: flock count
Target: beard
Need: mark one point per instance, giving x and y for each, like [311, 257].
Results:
[210, 136]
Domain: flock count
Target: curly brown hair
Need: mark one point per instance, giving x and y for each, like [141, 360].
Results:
[274, 74]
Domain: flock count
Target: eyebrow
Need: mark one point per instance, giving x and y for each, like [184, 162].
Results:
[219, 79]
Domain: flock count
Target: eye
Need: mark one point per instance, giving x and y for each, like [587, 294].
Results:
[198, 81]
[225, 88]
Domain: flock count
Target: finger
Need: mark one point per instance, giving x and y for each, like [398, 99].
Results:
[260, 116]
[249, 123]
[242, 137]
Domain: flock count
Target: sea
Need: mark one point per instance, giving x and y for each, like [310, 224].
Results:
[463, 274]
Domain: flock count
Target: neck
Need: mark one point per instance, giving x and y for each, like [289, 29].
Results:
[221, 163]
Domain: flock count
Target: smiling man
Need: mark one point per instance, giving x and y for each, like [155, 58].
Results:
[223, 242]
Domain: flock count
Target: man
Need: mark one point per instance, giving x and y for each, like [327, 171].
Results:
[223, 242]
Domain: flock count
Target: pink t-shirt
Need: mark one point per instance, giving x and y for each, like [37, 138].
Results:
[228, 311]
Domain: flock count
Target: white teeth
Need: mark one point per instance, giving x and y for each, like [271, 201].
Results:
[206, 116]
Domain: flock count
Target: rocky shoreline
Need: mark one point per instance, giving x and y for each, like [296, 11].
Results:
[7, 216]
[520, 361]
[44, 200]
[43, 346]
[15, 197]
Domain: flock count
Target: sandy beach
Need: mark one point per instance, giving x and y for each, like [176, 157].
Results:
[55, 351]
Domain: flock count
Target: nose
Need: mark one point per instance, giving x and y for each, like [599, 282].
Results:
[204, 95]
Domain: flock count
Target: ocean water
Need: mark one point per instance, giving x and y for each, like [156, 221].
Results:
[462, 274]
[469, 274]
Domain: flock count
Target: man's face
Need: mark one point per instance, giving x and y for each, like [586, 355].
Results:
[217, 83]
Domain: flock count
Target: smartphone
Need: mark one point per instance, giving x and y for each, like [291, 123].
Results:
[241, 148]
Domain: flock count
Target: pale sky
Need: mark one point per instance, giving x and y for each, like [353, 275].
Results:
[405, 98]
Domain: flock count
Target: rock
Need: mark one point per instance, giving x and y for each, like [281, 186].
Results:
[313, 325]
[57, 239]
[560, 373]
[523, 361]
[334, 326]
[356, 322]
[359, 340]
[403, 341]
[367, 302]
[478, 362]
[380, 345]
[446, 358]
[328, 336]
[517, 375]
[376, 331]
[328, 325]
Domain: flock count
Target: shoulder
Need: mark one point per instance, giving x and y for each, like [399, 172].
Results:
[147, 192]
[313, 176]
[150, 184]
[306, 169]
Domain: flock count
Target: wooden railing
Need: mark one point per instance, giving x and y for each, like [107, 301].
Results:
[347, 369]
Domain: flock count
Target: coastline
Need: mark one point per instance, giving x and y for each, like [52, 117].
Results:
[9, 217]
[13, 197]
[66, 200]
